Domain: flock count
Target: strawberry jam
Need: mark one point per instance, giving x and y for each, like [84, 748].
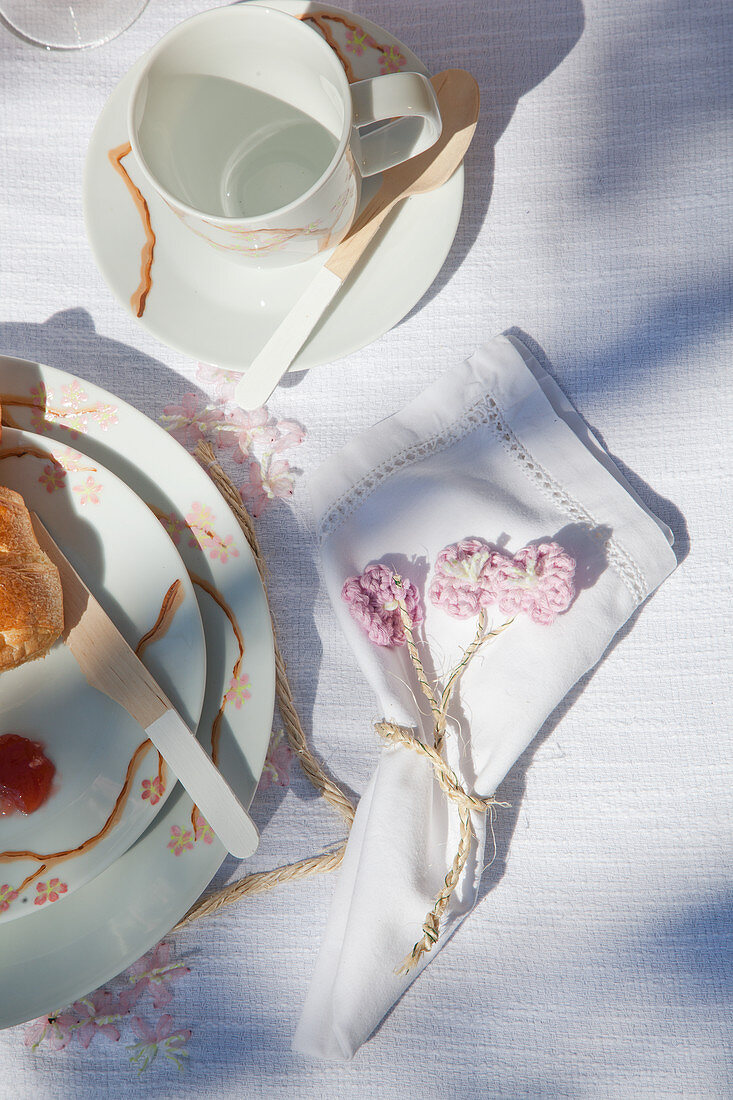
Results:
[26, 774]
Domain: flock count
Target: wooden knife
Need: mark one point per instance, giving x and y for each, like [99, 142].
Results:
[113, 668]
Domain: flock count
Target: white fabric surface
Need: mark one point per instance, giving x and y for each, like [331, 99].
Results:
[482, 454]
[597, 219]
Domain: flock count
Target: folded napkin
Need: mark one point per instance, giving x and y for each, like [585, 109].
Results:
[492, 463]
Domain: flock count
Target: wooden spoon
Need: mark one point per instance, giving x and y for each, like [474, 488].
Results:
[458, 98]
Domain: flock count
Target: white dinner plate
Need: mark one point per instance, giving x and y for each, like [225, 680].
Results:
[109, 782]
[210, 306]
[60, 952]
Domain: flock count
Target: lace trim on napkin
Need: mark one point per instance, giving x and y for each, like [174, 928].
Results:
[484, 412]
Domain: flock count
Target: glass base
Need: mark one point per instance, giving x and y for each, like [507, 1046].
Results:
[77, 25]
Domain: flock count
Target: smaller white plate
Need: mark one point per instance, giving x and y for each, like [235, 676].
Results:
[214, 308]
[124, 555]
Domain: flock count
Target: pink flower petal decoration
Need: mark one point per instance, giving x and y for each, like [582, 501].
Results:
[461, 583]
[372, 601]
[537, 581]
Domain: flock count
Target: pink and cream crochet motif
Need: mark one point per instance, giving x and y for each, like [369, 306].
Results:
[537, 581]
[373, 601]
[469, 578]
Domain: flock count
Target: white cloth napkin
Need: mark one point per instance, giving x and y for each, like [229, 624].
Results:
[492, 450]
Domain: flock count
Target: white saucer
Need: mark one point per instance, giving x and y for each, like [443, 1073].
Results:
[207, 304]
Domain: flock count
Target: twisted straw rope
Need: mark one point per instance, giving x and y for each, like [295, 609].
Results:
[444, 775]
[465, 802]
[261, 881]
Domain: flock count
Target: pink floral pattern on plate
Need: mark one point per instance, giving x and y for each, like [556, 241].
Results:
[152, 789]
[49, 891]
[174, 525]
[391, 60]
[53, 477]
[200, 521]
[89, 491]
[73, 410]
[201, 828]
[181, 840]
[238, 691]
[7, 895]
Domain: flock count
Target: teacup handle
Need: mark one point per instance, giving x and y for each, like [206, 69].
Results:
[410, 100]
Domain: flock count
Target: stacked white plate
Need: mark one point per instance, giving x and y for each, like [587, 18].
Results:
[135, 513]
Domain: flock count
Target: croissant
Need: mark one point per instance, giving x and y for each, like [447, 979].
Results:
[31, 600]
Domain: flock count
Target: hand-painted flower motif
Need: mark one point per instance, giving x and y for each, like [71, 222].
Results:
[277, 764]
[391, 60]
[53, 477]
[40, 398]
[181, 840]
[88, 491]
[49, 891]
[537, 581]
[105, 415]
[372, 601]
[238, 691]
[153, 1040]
[73, 395]
[223, 549]
[200, 515]
[7, 895]
[153, 789]
[357, 40]
[461, 582]
[70, 460]
[201, 828]
[154, 972]
[173, 525]
[200, 522]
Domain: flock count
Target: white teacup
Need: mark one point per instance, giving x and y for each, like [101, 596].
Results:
[243, 120]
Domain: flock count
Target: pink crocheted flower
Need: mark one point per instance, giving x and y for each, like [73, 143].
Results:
[537, 581]
[461, 582]
[372, 601]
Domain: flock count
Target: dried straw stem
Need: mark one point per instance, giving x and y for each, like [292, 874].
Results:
[261, 881]
[444, 775]
[293, 728]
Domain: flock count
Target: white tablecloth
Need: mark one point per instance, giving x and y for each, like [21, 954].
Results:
[597, 222]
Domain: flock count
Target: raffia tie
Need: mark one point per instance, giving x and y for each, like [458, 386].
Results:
[445, 776]
[465, 803]
[262, 881]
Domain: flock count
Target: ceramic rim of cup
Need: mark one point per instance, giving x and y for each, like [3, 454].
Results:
[213, 14]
